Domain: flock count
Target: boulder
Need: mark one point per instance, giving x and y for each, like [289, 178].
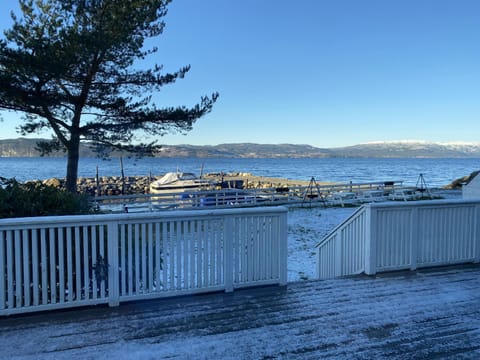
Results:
[458, 183]
[57, 183]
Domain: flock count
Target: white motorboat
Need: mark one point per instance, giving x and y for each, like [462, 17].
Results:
[179, 182]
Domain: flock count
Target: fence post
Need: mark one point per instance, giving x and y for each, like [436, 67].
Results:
[228, 236]
[370, 240]
[2, 270]
[476, 233]
[338, 254]
[112, 256]
[414, 240]
[283, 248]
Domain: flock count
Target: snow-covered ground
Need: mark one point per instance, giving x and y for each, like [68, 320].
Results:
[306, 227]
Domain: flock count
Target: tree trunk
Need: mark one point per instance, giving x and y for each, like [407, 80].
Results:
[73, 154]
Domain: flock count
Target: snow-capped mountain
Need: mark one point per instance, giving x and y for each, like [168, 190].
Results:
[411, 148]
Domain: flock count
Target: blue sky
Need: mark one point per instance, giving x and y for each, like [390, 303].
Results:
[325, 73]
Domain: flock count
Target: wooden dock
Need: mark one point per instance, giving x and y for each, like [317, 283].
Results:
[427, 314]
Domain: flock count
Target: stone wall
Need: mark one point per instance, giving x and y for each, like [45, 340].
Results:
[108, 185]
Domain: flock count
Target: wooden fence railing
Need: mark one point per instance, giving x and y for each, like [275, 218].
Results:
[402, 235]
[58, 262]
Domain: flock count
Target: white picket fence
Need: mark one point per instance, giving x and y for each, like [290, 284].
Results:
[402, 235]
[58, 262]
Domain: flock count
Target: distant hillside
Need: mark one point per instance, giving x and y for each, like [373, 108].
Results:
[26, 148]
[23, 147]
[245, 150]
[409, 149]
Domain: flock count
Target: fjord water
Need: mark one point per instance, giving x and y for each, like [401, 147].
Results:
[437, 172]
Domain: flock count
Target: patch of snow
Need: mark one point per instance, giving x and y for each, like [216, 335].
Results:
[390, 142]
[454, 145]
[412, 141]
[306, 227]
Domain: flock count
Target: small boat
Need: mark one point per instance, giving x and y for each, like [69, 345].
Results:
[179, 182]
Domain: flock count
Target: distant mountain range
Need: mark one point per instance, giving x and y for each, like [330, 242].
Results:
[23, 147]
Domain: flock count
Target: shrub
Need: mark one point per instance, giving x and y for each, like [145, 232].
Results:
[37, 199]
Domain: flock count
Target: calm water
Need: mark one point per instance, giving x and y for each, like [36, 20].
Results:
[437, 172]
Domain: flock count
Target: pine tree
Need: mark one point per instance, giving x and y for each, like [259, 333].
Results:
[69, 66]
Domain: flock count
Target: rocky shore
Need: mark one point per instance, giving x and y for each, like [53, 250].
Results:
[132, 185]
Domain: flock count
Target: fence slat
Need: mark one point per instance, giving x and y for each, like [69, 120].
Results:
[70, 259]
[213, 261]
[123, 261]
[228, 254]
[165, 246]
[158, 257]
[93, 243]
[2, 270]
[178, 251]
[78, 265]
[52, 266]
[18, 269]
[150, 272]
[113, 276]
[219, 245]
[130, 255]
[61, 266]
[86, 263]
[10, 264]
[26, 268]
[102, 254]
[185, 255]
[143, 240]
[193, 252]
[199, 254]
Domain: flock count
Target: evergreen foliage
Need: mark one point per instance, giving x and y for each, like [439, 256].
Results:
[37, 199]
[69, 66]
